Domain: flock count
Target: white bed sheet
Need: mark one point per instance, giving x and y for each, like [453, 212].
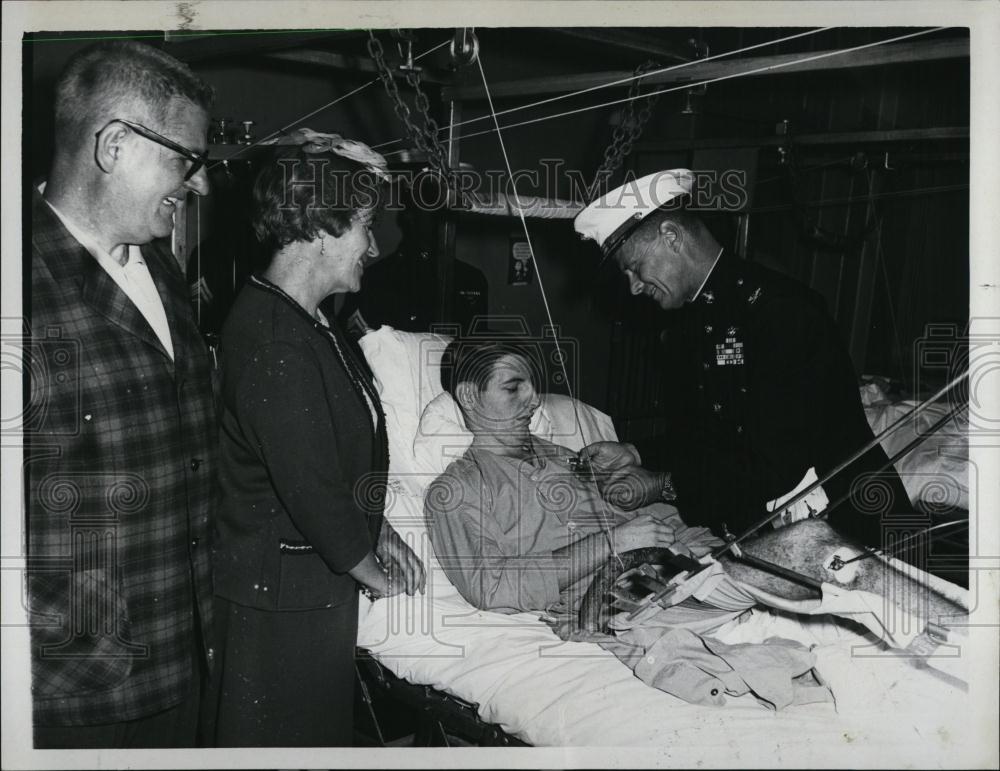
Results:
[552, 693]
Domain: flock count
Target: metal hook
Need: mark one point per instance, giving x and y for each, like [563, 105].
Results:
[404, 44]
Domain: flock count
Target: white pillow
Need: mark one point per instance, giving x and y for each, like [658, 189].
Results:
[442, 436]
[407, 368]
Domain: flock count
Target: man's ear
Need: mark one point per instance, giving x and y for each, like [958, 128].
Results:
[466, 395]
[671, 234]
[110, 145]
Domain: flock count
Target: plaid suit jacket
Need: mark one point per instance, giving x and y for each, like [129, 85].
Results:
[120, 479]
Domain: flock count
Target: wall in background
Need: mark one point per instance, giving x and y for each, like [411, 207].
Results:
[916, 263]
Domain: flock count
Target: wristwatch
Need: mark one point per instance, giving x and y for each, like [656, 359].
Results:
[667, 491]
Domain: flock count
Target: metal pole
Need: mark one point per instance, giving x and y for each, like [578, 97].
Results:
[445, 258]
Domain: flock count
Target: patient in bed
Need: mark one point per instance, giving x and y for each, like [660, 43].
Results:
[517, 527]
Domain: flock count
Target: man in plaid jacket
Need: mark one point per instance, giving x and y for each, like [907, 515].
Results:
[120, 427]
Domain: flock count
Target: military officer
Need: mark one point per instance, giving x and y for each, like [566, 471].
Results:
[762, 397]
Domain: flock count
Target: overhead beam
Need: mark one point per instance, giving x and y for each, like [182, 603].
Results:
[199, 47]
[832, 138]
[334, 61]
[629, 40]
[777, 64]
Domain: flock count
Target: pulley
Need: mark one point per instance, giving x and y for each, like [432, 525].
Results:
[464, 48]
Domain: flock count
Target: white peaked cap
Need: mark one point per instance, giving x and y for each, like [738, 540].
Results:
[610, 219]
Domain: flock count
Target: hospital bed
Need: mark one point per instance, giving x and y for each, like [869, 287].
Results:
[523, 684]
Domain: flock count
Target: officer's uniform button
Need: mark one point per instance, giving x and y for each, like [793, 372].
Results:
[739, 429]
[194, 542]
[210, 653]
[705, 365]
[743, 389]
[717, 407]
[708, 329]
[739, 282]
[701, 387]
[195, 464]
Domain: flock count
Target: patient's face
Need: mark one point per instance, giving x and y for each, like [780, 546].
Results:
[507, 402]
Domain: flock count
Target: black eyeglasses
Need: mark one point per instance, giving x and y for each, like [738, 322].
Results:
[197, 160]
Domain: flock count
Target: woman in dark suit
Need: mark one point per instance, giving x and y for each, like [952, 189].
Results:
[303, 462]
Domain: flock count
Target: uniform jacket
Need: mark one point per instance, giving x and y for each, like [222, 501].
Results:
[120, 464]
[762, 389]
[303, 470]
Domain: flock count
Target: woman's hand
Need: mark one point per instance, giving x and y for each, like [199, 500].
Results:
[373, 577]
[405, 568]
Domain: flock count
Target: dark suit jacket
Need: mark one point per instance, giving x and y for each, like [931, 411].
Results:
[302, 468]
[762, 388]
[120, 464]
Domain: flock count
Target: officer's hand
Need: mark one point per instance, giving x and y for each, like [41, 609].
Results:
[644, 530]
[632, 486]
[607, 457]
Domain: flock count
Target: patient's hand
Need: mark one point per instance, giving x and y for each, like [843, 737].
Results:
[632, 486]
[404, 566]
[647, 529]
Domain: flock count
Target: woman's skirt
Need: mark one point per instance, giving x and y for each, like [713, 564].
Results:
[282, 678]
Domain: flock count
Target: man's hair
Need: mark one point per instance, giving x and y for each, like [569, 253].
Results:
[472, 359]
[102, 79]
[298, 194]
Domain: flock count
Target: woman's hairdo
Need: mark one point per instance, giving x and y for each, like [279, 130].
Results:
[299, 193]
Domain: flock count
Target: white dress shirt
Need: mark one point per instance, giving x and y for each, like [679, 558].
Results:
[133, 278]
